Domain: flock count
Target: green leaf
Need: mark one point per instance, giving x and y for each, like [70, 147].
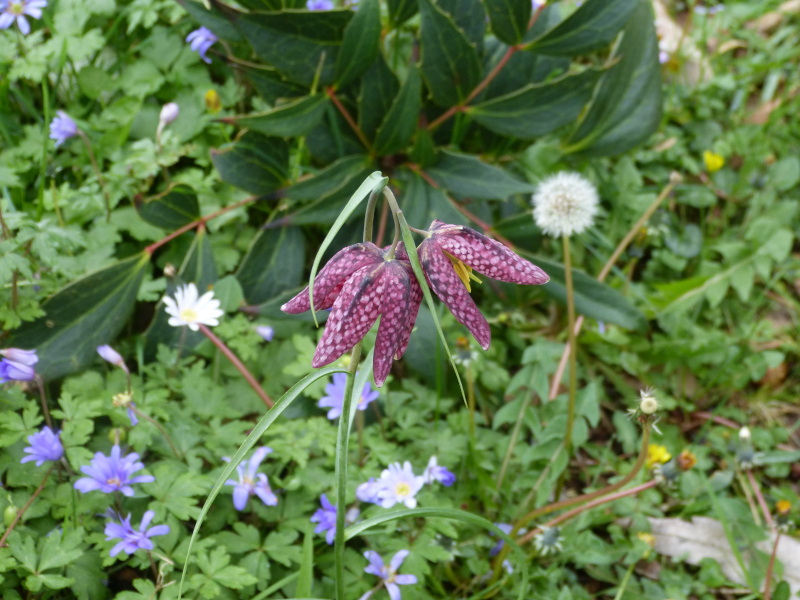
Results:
[60, 549]
[509, 19]
[171, 209]
[468, 176]
[469, 17]
[401, 121]
[422, 203]
[345, 172]
[273, 264]
[626, 107]
[401, 11]
[592, 26]
[23, 550]
[93, 81]
[450, 63]
[229, 292]
[379, 86]
[537, 109]
[361, 43]
[306, 574]
[55, 582]
[213, 19]
[255, 435]
[85, 314]
[270, 84]
[294, 118]
[455, 515]
[254, 162]
[176, 493]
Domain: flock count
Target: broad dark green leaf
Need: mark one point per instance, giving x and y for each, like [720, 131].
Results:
[626, 108]
[593, 299]
[423, 154]
[347, 172]
[361, 43]
[291, 119]
[469, 17]
[255, 163]
[401, 11]
[333, 138]
[450, 63]
[271, 85]
[400, 123]
[214, 19]
[379, 87]
[521, 230]
[262, 4]
[85, 314]
[273, 264]
[171, 209]
[468, 176]
[509, 19]
[537, 108]
[294, 41]
[422, 203]
[592, 26]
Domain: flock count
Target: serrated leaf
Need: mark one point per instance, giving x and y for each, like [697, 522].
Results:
[537, 108]
[361, 43]
[85, 314]
[176, 493]
[626, 108]
[59, 551]
[171, 209]
[509, 19]
[254, 162]
[401, 121]
[379, 87]
[294, 118]
[273, 264]
[468, 176]
[449, 62]
[23, 550]
[55, 582]
[592, 26]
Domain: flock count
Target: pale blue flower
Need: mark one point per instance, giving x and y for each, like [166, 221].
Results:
[62, 128]
[388, 573]
[133, 540]
[335, 396]
[435, 472]
[201, 40]
[44, 446]
[251, 482]
[16, 10]
[17, 365]
[112, 473]
[399, 485]
[319, 5]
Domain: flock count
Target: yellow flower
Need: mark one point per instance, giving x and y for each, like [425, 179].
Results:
[713, 161]
[657, 455]
[213, 101]
[783, 507]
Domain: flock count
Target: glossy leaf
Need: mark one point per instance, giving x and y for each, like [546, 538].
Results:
[401, 121]
[273, 264]
[592, 26]
[271, 85]
[450, 63]
[468, 176]
[509, 19]
[537, 108]
[379, 87]
[85, 314]
[422, 203]
[337, 175]
[254, 162]
[213, 19]
[293, 118]
[401, 11]
[361, 43]
[171, 209]
[469, 17]
[626, 108]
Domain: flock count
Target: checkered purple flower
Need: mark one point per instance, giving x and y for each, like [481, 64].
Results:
[17, 10]
[17, 365]
[201, 40]
[44, 446]
[112, 473]
[251, 482]
[133, 540]
[388, 573]
[335, 396]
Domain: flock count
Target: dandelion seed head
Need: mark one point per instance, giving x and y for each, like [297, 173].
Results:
[565, 204]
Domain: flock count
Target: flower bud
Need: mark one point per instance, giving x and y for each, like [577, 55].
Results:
[116, 435]
[744, 434]
[213, 101]
[265, 331]
[169, 270]
[108, 354]
[9, 514]
[648, 404]
[169, 112]
[122, 400]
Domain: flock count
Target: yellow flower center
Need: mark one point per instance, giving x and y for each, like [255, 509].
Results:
[463, 271]
[402, 489]
[15, 8]
[783, 506]
[189, 315]
[113, 481]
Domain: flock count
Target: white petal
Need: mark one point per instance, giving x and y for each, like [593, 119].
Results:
[176, 322]
[193, 326]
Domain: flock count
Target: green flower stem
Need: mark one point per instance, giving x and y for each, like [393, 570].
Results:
[760, 497]
[27, 506]
[573, 354]
[341, 472]
[471, 401]
[45, 144]
[239, 365]
[43, 399]
[98, 173]
[395, 212]
[369, 216]
[158, 426]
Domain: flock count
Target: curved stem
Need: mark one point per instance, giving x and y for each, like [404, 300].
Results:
[759, 496]
[158, 426]
[27, 506]
[239, 365]
[369, 216]
[43, 398]
[97, 172]
[770, 567]
[387, 193]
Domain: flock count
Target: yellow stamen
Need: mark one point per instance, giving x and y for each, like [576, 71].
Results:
[189, 315]
[402, 489]
[463, 271]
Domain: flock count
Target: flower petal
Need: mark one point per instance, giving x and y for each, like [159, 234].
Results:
[394, 591]
[411, 315]
[394, 316]
[240, 495]
[397, 560]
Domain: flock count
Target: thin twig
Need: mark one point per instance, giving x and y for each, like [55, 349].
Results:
[27, 505]
[761, 502]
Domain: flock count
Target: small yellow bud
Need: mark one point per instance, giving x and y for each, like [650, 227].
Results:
[686, 460]
[647, 538]
[213, 101]
[713, 161]
[783, 507]
[122, 400]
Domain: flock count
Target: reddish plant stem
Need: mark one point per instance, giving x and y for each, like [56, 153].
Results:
[460, 107]
[27, 506]
[353, 125]
[200, 222]
[770, 567]
[238, 364]
[761, 502]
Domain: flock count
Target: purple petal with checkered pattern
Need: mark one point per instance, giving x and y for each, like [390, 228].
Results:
[394, 317]
[413, 310]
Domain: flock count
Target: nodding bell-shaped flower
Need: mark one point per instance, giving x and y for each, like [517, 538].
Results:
[443, 255]
[361, 283]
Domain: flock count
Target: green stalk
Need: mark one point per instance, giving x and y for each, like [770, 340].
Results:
[573, 362]
[45, 142]
[471, 402]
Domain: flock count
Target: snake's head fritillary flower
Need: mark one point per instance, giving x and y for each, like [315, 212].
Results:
[388, 573]
[17, 10]
[252, 483]
[399, 485]
[448, 245]
[62, 128]
[17, 365]
[436, 472]
[112, 473]
[133, 540]
[565, 204]
[361, 283]
[44, 446]
[188, 309]
[319, 5]
[201, 40]
[334, 398]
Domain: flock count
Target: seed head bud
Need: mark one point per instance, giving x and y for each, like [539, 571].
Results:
[170, 270]
[648, 404]
[744, 434]
[565, 203]
[169, 112]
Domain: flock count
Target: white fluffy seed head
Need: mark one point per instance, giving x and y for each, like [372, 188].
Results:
[744, 434]
[565, 203]
[648, 404]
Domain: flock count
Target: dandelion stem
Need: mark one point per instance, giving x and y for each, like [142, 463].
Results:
[27, 506]
[158, 426]
[761, 502]
[98, 173]
[770, 568]
[573, 353]
[238, 364]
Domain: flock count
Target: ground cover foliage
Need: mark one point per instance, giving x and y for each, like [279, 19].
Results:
[241, 160]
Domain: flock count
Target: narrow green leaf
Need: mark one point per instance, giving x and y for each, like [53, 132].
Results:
[450, 64]
[361, 43]
[401, 121]
[263, 424]
[401, 11]
[362, 377]
[455, 515]
[306, 574]
[273, 264]
[213, 19]
[379, 87]
[626, 108]
[509, 19]
[291, 119]
[254, 162]
[537, 108]
[469, 176]
[85, 314]
[592, 26]
[171, 209]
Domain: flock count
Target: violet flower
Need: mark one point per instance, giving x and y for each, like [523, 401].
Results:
[44, 446]
[16, 10]
[266, 332]
[62, 128]
[325, 518]
[369, 491]
[319, 5]
[335, 396]
[251, 482]
[388, 573]
[112, 473]
[108, 354]
[133, 540]
[435, 472]
[202, 39]
[17, 365]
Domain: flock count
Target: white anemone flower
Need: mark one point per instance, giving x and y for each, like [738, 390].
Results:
[399, 485]
[187, 309]
[564, 204]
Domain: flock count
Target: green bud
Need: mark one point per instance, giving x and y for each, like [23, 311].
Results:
[9, 514]
[117, 433]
